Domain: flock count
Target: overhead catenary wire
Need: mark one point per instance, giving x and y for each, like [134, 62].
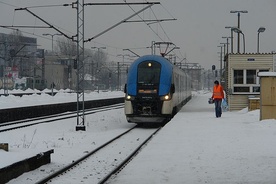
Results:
[166, 33]
[7, 4]
[35, 27]
[143, 20]
[159, 23]
[56, 5]
[42, 6]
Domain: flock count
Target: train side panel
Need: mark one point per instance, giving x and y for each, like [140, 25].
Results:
[167, 107]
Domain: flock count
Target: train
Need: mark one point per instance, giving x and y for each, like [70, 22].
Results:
[30, 82]
[155, 90]
[23, 83]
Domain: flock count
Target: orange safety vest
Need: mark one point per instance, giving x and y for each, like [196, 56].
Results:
[218, 92]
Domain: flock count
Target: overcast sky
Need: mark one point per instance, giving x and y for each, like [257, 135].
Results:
[198, 30]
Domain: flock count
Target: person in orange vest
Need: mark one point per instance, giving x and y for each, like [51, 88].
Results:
[218, 96]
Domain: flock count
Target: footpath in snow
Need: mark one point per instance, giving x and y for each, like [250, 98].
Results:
[196, 147]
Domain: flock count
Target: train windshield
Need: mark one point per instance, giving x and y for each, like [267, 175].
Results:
[148, 77]
[149, 73]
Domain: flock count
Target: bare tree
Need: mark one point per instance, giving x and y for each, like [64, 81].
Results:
[66, 47]
[15, 40]
[21, 53]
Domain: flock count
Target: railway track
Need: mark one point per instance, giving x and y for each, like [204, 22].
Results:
[100, 164]
[8, 126]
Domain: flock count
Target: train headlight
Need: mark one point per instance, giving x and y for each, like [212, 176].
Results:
[166, 97]
[129, 97]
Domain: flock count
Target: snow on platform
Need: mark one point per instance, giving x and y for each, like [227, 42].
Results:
[196, 147]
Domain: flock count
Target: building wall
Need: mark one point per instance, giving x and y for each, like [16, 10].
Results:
[239, 100]
[60, 72]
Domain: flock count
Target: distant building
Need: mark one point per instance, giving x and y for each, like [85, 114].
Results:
[18, 58]
[59, 72]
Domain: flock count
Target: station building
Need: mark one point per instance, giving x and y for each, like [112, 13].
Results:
[240, 77]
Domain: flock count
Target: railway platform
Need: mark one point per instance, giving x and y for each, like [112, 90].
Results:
[197, 147]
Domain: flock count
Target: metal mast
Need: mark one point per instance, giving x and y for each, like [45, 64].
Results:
[79, 5]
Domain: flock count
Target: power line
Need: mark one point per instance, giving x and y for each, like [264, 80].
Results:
[159, 23]
[8, 4]
[73, 33]
[49, 6]
[143, 21]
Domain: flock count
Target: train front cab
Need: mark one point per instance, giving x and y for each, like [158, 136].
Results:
[148, 108]
[149, 92]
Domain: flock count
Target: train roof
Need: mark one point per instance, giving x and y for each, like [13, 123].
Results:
[163, 61]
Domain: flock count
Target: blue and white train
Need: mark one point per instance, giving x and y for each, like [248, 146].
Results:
[155, 90]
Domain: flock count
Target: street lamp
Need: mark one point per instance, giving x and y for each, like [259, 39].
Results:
[237, 30]
[224, 53]
[239, 12]
[223, 47]
[121, 77]
[230, 27]
[220, 73]
[123, 56]
[52, 35]
[98, 58]
[227, 43]
[260, 30]
[132, 52]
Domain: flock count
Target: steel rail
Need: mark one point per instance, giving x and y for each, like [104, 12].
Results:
[130, 157]
[59, 172]
[66, 116]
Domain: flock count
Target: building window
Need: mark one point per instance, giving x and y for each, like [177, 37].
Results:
[251, 77]
[246, 81]
[241, 89]
[256, 89]
[238, 76]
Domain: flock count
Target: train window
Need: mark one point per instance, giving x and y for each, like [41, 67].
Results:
[149, 72]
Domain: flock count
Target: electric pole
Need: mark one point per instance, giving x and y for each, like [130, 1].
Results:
[79, 5]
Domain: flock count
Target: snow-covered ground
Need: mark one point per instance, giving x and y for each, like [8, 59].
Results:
[195, 147]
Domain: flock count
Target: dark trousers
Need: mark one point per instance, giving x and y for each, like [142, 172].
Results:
[218, 107]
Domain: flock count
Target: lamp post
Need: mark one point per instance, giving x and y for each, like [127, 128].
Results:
[98, 52]
[237, 30]
[220, 73]
[98, 58]
[123, 56]
[260, 30]
[224, 53]
[132, 52]
[230, 27]
[227, 43]
[121, 78]
[52, 35]
[224, 48]
[239, 12]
